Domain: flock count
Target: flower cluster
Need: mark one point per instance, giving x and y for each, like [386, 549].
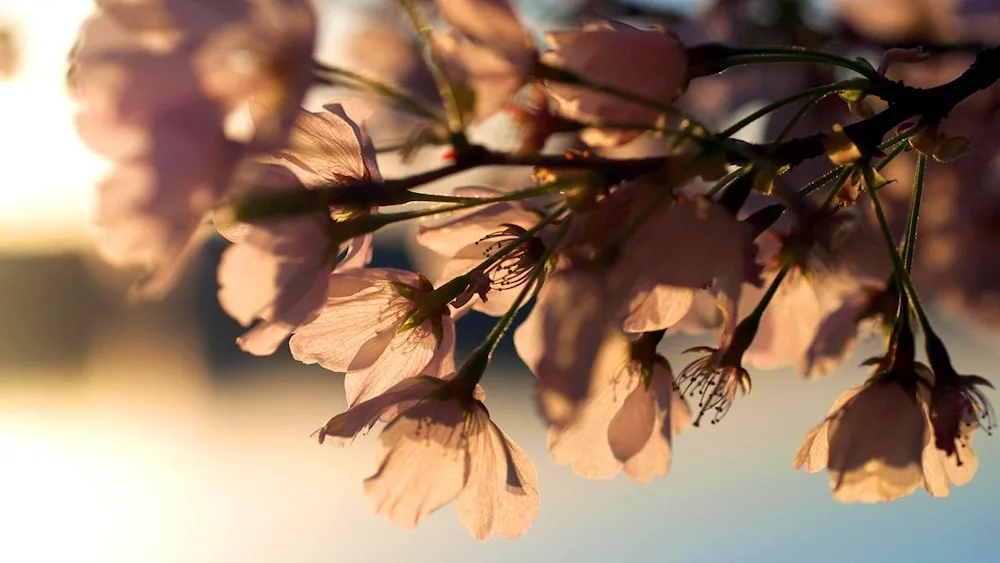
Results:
[706, 236]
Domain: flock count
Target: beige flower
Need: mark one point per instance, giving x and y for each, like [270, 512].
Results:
[443, 446]
[872, 442]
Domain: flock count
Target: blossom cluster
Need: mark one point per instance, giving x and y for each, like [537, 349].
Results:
[704, 236]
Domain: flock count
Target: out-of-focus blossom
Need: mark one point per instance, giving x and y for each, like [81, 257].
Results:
[470, 238]
[897, 20]
[629, 418]
[860, 313]
[279, 270]
[604, 52]
[156, 83]
[443, 446]
[379, 326]
[10, 51]
[487, 50]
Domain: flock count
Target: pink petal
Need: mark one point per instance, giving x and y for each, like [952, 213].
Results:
[342, 428]
[422, 462]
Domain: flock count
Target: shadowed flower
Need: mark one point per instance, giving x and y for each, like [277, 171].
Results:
[872, 443]
[443, 446]
[604, 52]
[279, 270]
[487, 50]
[379, 326]
[875, 438]
[958, 407]
[655, 271]
[629, 418]
[155, 83]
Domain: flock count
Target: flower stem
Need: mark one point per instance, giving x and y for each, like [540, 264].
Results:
[897, 262]
[728, 179]
[911, 229]
[853, 84]
[799, 114]
[456, 122]
[770, 55]
[474, 368]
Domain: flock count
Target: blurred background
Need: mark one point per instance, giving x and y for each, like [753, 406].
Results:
[140, 433]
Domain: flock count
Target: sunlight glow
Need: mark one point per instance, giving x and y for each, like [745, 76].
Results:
[48, 174]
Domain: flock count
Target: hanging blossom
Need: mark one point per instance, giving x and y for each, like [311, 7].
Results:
[647, 286]
[279, 270]
[820, 283]
[155, 84]
[440, 445]
[487, 50]
[379, 326]
[878, 441]
[468, 239]
[629, 418]
[957, 408]
[598, 53]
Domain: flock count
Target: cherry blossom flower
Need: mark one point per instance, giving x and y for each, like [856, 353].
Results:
[957, 408]
[872, 442]
[379, 326]
[876, 437]
[155, 84]
[279, 270]
[629, 418]
[440, 445]
[578, 307]
[487, 49]
[597, 53]
[662, 290]
[469, 239]
[565, 339]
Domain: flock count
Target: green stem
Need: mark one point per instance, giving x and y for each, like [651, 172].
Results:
[405, 99]
[854, 84]
[841, 179]
[474, 368]
[897, 262]
[505, 321]
[727, 179]
[772, 55]
[456, 121]
[911, 228]
[896, 151]
[803, 109]
[461, 203]
[772, 289]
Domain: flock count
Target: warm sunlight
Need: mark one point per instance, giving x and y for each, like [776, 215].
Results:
[45, 195]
